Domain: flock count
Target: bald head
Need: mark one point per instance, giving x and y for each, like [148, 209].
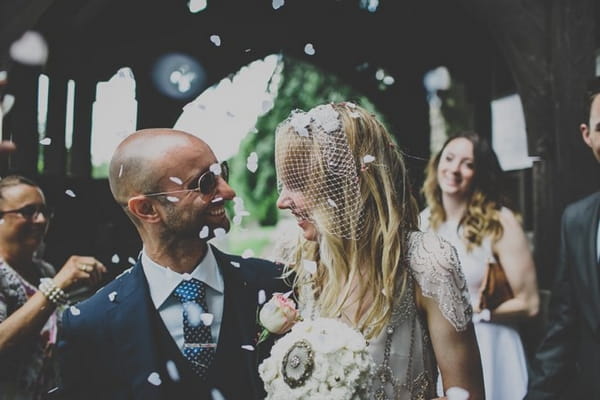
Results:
[136, 164]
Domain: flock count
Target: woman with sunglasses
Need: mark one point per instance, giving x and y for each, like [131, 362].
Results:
[31, 291]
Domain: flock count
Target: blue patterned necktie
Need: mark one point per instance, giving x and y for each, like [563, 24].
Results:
[198, 346]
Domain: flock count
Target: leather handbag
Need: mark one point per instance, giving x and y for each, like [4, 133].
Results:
[495, 288]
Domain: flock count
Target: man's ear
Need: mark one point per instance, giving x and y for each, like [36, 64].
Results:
[585, 134]
[143, 208]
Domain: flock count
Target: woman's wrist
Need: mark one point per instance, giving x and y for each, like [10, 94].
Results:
[52, 292]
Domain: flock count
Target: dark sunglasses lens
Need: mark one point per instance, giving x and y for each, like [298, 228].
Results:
[28, 211]
[207, 183]
[225, 171]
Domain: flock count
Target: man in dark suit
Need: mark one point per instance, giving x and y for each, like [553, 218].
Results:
[142, 336]
[567, 363]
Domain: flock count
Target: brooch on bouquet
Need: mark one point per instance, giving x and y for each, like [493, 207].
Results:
[318, 359]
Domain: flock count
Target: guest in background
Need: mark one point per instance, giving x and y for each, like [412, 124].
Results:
[28, 317]
[465, 206]
[567, 363]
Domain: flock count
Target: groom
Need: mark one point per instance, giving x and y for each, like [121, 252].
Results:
[182, 322]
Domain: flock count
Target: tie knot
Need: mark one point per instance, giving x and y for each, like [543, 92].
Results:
[190, 290]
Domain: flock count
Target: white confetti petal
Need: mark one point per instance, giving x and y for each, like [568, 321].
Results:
[235, 264]
[331, 203]
[368, 159]
[219, 232]
[309, 49]
[457, 393]
[203, 232]
[112, 296]
[237, 219]
[252, 167]
[30, 49]
[207, 318]
[253, 157]
[172, 371]
[1, 220]
[194, 312]
[154, 379]
[7, 103]
[215, 168]
[262, 296]
[74, 310]
[115, 258]
[309, 266]
[216, 39]
[247, 253]
[266, 105]
[288, 294]
[216, 394]
[176, 180]
[70, 193]
[131, 260]
[277, 4]
[355, 115]
[46, 141]
[121, 170]
[248, 347]
[173, 199]
[186, 276]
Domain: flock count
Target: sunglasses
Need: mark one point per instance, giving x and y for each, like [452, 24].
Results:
[206, 184]
[31, 211]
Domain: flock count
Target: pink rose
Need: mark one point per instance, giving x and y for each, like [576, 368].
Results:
[279, 314]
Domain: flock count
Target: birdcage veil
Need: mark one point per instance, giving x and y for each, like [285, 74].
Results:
[313, 158]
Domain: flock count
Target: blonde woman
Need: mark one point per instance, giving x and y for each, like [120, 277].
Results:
[466, 207]
[344, 180]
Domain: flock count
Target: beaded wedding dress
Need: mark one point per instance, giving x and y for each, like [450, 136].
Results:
[405, 363]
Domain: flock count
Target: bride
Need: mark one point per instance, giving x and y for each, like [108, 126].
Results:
[344, 180]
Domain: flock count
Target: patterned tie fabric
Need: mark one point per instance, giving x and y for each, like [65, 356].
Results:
[198, 346]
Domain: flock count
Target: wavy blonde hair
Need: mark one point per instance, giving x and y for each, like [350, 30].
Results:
[390, 213]
[481, 217]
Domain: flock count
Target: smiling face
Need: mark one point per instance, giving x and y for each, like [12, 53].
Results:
[456, 170]
[186, 213]
[26, 232]
[591, 131]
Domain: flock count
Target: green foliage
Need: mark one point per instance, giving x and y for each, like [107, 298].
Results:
[302, 86]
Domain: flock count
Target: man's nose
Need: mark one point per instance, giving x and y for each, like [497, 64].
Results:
[224, 190]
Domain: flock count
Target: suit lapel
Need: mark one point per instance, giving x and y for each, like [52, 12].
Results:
[133, 334]
[243, 303]
[590, 259]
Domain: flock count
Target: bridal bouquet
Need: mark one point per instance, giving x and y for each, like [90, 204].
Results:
[322, 359]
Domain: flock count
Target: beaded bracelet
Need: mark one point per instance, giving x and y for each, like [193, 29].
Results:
[52, 292]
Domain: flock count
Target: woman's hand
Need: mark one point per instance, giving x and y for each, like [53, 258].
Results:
[80, 269]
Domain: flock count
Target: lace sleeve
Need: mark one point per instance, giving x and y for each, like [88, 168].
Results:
[435, 267]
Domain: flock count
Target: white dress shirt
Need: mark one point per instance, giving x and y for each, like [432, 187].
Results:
[162, 281]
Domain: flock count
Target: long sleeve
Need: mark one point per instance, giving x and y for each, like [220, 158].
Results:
[554, 362]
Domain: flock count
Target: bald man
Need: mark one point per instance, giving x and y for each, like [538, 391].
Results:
[181, 323]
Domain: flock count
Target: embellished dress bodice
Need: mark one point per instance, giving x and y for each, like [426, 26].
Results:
[406, 367]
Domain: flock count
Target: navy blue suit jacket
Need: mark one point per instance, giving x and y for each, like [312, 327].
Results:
[109, 349]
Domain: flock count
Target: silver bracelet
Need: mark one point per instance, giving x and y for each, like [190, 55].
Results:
[52, 292]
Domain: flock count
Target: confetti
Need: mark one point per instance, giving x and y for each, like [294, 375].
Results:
[186, 276]
[235, 264]
[131, 260]
[112, 296]
[215, 168]
[173, 199]
[207, 318]
[30, 49]
[172, 371]
[277, 4]
[203, 232]
[176, 180]
[237, 219]
[70, 193]
[194, 312]
[115, 258]
[216, 394]
[7, 102]
[247, 253]
[309, 49]
[121, 170]
[262, 297]
[368, 159]
[248, 347]
[216, 40]
[1, 221]
[457, 393]
[46, 141]
[74, 310]
[331, 203]
[154, 379]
